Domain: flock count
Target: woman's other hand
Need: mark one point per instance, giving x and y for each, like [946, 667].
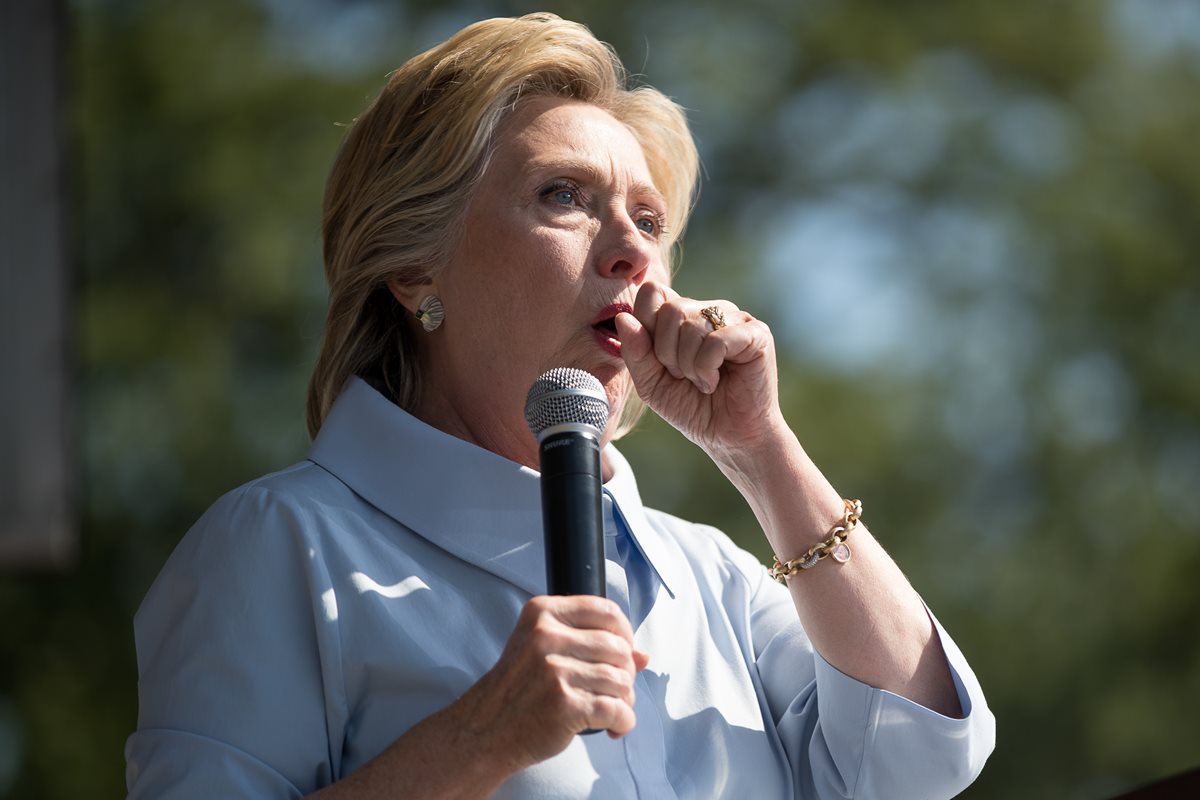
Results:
[718, 386]
[569, 665]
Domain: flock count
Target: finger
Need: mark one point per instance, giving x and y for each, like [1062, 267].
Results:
[583, 695]
[593, 647]
[612, 715]
[637, 349]
[596, 679]
[640, 660]
[714, 349]
[592, 613]
[589, 628]
[695, 330]
[672, 317]
[733, 344]
[711, 353]
[649, 299]
[692, 335]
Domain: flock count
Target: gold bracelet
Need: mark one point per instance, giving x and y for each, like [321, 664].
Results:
[834, 545]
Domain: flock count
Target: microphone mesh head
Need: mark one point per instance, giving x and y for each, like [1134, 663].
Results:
[564, 395]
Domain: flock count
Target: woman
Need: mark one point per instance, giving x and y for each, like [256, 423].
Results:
[371, 622]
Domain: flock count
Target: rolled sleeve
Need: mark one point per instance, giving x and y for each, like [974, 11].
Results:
[891, 747]
[846, 739]
[164, 763]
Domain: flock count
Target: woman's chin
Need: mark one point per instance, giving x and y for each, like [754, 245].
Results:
[618, 387]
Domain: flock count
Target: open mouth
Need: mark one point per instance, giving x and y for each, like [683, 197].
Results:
[605, 327]
[606, 321]
[608, 325]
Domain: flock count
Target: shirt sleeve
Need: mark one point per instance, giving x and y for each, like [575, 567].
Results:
[236, 669]
[845, 739]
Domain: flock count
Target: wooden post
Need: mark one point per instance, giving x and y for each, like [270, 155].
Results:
[37, 517]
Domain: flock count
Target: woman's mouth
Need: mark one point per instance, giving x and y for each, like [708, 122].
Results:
[605, 327]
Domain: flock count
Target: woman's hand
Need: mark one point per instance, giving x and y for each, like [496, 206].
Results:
[569, 665]
[718, 387]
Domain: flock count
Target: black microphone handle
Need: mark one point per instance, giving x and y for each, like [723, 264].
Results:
[572, 520]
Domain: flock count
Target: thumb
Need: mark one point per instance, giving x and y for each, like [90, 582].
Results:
[638, 351]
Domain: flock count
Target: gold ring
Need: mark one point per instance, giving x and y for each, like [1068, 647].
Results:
[715, 317]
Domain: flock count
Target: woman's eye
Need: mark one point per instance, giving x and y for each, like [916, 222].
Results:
[561, 193]
[651, 224]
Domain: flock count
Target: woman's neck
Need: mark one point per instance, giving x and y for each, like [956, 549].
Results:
[493, 431]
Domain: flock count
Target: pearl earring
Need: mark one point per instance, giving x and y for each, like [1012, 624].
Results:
[430, 313]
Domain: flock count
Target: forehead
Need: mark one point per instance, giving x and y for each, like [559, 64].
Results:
[550, 129]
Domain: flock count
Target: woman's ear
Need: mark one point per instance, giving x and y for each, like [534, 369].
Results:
[408, 295]
[421, 302]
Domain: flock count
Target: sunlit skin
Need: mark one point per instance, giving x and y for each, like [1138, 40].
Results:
[566, 226]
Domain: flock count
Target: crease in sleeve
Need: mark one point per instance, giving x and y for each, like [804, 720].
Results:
[826, 726]
[329, 636]
[866, 742]
[911, 751]
[169, 764]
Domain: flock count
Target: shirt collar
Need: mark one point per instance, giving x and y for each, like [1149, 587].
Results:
[468, 501]
[627, 502]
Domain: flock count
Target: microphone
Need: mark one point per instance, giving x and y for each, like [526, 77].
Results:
[567, 411]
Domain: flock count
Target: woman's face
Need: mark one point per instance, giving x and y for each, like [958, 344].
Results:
[563, 228]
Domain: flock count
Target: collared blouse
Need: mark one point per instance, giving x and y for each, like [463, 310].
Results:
[314, 615]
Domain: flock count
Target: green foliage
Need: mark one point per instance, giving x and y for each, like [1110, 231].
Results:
[971, 226]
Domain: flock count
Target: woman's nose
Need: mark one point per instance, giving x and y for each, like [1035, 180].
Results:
[628, 252]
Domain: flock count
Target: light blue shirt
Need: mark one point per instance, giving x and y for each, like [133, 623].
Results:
[312, 616]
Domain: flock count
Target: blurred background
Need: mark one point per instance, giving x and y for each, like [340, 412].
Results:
[974, 228]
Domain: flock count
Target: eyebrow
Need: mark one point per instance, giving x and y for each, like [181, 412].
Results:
[595, 175]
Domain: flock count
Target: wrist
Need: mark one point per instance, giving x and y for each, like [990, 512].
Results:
[481, 734]
[751, 459]
[783, 486]
[443, 757]
[742, 448]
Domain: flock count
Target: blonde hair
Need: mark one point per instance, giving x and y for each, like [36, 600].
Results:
[404, 175]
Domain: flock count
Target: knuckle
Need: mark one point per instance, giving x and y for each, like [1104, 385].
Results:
[556, 667]
[614, 643]
[557, 676]
[544, 638]
[540, 604]
[533, 609]
[608, 674]
[606, 707]
[601, 606]
[672, 311]
[619, 677]
[617, 714]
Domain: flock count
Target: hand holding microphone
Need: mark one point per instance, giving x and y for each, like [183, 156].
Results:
[566, 410]
[569, 665]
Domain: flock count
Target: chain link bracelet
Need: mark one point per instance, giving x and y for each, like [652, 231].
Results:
[834, 546]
